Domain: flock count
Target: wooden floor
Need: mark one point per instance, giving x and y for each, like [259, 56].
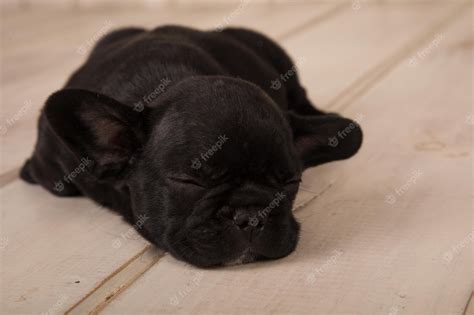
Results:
[387, 232]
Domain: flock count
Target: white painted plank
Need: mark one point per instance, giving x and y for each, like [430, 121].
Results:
[340, 51]
[418, 156]
[51, 243]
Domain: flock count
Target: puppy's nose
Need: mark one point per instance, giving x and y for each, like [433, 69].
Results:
[246, 219]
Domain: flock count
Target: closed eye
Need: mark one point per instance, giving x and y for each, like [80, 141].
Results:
[288, 181]
[293, 181]
[186, 181]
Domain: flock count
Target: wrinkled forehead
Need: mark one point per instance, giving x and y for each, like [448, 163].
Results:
[219, 138]
[233, 108]
[195, 128]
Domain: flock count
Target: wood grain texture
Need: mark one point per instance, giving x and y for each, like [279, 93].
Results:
[57, 249]
[470, 307]
[114, 284]
[334, 55]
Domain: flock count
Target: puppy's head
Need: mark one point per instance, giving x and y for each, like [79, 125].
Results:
[213, 165]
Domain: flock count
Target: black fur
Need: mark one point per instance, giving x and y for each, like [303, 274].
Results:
[180, 131]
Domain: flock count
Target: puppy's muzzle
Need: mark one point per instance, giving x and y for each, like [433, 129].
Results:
[248, 221]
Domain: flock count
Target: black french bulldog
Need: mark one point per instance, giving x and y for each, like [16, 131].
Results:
[198, 138]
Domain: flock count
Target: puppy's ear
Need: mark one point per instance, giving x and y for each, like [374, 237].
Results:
[96, 127]
[323, 138]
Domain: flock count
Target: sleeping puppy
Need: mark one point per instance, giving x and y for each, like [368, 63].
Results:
[197, 138]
